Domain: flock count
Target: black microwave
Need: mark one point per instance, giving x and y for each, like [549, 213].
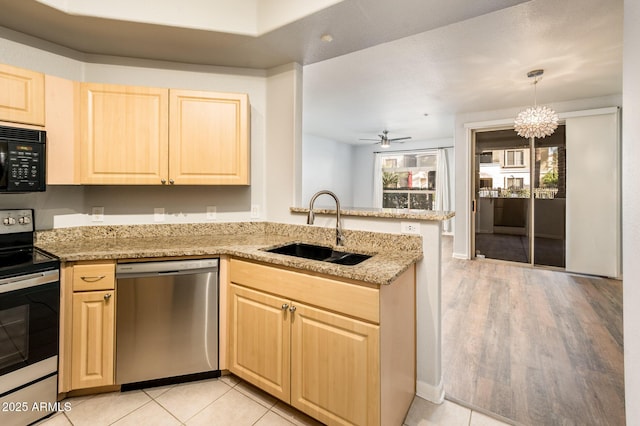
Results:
[22, 160]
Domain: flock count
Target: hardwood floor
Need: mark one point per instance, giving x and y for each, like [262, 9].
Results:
[536, 346]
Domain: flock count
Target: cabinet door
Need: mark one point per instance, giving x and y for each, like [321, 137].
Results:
[21, 95]
[93, 339]
[62, 105]
[335, 368]
[259, 340]
[124, 134]
[209, 138]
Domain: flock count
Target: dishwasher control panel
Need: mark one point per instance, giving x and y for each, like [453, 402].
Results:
[167, 267]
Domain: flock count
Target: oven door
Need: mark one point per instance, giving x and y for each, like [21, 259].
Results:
[29, 320]
[29, 308]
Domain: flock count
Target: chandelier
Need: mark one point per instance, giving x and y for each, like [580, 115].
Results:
[536, 121]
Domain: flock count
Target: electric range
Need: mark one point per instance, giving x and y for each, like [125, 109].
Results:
[29, 323]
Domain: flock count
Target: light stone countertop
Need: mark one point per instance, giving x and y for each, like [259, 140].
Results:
[433, 215]
[392, 253]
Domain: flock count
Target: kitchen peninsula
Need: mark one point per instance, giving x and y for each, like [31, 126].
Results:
[353, 325]
[429, 225]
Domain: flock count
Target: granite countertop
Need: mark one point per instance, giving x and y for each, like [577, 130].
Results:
[392, 253]
[381, 213]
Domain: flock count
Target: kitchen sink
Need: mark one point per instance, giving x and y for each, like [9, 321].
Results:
[322, 253]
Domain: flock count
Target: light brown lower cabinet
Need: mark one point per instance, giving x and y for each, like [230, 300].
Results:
[93, 339]
[87, 325]
[342, 352]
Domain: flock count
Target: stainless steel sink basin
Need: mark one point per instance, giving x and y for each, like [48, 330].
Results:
[315, 252]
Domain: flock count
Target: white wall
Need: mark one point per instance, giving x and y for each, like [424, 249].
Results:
[463, 166]
[19, 54]
[238, 16]
[283, 156]
[272, 14]
[631, 207]
[363, 167]
[250, 17]
[58, 207]
[327, 164]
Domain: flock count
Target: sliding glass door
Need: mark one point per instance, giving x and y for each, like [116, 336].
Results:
[502, 196]
[550, 195]
[519, 191]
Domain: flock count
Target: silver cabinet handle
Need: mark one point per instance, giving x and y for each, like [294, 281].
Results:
[92, 279]
[171, 181]
[292, 309]
[285, 306]
[163, 181]
[107, 297]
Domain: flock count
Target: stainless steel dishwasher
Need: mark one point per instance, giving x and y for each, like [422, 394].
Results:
[166, 322]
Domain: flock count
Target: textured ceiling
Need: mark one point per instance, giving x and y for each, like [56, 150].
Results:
[476, 65]
[390, 62]
[354, 24]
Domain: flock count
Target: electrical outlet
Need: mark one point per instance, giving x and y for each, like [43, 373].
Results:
[255, 211]
[211, 212]
[410, 227]
[158, 214]
[97, 214]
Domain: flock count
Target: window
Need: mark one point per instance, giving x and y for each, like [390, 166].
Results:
[486, 182]
[486, 157]
[514, 158]
[390, 163]
[409, 180]
[514, 183]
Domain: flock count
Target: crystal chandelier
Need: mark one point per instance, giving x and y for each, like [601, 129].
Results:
[536, 121]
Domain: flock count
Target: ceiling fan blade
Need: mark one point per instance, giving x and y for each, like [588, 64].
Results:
[369, 140]
[399, 139]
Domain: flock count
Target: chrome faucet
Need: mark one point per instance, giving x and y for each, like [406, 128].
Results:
[311, 216]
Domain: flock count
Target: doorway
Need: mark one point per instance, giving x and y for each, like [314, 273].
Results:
[519, 189]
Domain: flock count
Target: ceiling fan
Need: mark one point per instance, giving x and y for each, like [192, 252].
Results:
[384, 141]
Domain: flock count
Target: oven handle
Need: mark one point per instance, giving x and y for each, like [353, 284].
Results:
[29, 280]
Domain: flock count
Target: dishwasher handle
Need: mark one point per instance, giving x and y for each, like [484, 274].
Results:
[170, 267]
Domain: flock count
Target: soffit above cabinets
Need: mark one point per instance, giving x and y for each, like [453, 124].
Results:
[354, 25]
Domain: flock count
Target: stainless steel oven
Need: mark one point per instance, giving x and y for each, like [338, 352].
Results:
[29, 323]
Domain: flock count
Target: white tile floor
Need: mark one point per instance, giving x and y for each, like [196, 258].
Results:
[226, 401]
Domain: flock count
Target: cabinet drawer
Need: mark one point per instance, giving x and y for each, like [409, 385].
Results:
[95, 276]
[359, 301]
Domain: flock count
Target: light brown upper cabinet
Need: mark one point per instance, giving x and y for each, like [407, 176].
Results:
[62, 104]
[154, 136]
[21, 95]
[124, 134]
[208, 138]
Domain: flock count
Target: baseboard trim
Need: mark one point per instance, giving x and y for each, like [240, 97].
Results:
[429, 392]
[461, 256]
